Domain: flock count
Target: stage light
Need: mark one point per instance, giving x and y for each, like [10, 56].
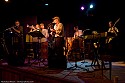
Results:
[82, 8]
[46, 4]
[6, 0]
[91, 6]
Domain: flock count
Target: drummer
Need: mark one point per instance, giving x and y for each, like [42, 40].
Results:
[78, 33]
[77, 38]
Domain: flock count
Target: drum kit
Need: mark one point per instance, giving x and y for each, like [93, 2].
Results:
[84, 43]
[74, 44]
[85, 46]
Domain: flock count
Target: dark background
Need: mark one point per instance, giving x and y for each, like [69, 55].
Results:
[34, 11]
[67, 10]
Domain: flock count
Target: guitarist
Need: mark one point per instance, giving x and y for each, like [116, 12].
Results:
[112, 32]
[111, 38]
[58, 31]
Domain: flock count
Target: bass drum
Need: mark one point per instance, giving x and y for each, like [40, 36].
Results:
[78, 44]
[77, 49]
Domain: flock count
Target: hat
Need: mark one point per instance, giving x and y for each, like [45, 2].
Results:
[56, 17]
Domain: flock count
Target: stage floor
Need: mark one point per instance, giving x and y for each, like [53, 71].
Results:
[85, 74]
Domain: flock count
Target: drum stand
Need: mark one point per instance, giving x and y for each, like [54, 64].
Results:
[96, 57]
[75, 53]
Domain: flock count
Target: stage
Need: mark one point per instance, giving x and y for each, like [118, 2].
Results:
[35, 73]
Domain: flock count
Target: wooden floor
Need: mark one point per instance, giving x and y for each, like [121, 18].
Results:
[41, 73]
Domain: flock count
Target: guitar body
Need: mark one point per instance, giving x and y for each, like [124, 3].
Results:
[110, 37]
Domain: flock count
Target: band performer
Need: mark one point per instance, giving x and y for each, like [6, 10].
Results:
[35, 40]
[58, 27]
[112, 37]
[58, 38]
[112, 32]
[78, 40]
[16, 49]
[78, 32]
[44, 42]
[58, 31]
[18, 43]
[56, 58]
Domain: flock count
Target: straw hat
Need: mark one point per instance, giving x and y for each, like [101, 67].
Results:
[56, 17]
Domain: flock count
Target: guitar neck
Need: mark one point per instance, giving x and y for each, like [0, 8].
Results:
[116, 22]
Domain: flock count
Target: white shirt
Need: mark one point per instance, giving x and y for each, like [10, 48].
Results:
[45, 33]
[78, 33]
[44, 39]
[59, 30]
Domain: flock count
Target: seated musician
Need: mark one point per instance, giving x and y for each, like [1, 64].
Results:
[77, 41]
[78, 33]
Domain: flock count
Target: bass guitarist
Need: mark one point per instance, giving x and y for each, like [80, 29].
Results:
[112, 31]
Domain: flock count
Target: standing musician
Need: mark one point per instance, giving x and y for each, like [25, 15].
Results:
[112, 37]
[18, 43]
[112, 32]
[50, 28]
[58, 32]
[58, 27]
[35, 40]
[58, 36]
[56, 56]
[18, 28]
[44, 42]
[16, 50]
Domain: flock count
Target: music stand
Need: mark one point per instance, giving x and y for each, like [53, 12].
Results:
[38, 34]
[95, 45]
